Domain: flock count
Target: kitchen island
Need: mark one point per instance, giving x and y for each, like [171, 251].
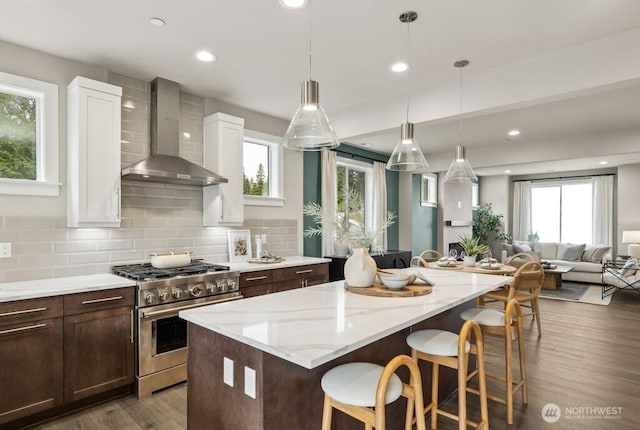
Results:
[257, 363]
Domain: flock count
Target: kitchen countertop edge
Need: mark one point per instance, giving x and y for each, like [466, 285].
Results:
[24, 290]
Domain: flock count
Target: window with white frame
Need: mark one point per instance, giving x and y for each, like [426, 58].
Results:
[355, 193]
[562, 212]
[262, 169]
[429, 190]
[28, 136]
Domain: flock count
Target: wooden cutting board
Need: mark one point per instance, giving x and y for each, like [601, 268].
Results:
[382, 291]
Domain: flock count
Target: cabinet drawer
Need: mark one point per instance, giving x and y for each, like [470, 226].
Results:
[256, 278]
[301, 272]
[30, 310]
[255, 290]
[98, 300]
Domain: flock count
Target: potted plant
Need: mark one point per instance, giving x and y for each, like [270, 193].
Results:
[472, 248]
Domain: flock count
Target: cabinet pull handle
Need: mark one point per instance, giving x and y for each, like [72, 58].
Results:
[131, 313]
[118, 204]
[19, 329]
[26, 311]
[300, 272]
[221, 208]
[256, 278]
[106, 299]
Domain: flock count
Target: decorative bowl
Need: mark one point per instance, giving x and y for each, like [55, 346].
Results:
[396, 281]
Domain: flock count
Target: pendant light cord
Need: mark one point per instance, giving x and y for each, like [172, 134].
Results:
[309, 5]
[408, 71]
[460, 118]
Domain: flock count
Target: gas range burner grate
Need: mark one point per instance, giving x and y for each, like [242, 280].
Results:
[146, 272]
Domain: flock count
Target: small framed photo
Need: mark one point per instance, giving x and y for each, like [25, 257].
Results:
[239, 245]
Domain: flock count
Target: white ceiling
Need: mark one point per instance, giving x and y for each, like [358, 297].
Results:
[547, 67]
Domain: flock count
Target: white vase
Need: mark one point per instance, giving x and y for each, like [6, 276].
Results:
[360, 269]
[469, 260]
[340, 247]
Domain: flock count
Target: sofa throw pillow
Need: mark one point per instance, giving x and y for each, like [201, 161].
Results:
[595, 253]
[573, 252]
[630, 268]
[507, 247]
[521, 247]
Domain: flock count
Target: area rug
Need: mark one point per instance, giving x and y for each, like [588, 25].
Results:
[577, 292]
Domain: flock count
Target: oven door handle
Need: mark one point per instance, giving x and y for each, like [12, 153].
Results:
[150, 314]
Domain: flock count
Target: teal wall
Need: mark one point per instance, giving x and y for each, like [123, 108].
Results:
[312, 191]
[424, 221]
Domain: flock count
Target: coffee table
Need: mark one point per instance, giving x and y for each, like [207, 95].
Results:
[553, 277]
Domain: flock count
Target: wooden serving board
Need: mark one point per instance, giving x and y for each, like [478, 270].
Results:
[264, 261]
[382, 291]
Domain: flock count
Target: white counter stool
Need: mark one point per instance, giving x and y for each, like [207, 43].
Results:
[443, 348]
[501, 323]
[362, 390]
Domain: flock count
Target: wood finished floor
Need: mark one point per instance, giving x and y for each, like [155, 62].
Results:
[588, 356]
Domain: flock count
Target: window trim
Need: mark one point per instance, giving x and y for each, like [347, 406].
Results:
[430, 181]
[46, 95]
[276, 169]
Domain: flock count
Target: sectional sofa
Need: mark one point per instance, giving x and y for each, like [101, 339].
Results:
[586, 260]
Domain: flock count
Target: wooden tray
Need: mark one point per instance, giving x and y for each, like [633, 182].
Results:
[382, 291]
[452, 267]
[264, 261]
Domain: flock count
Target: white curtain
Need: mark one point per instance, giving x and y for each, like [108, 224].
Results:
[521, 210]
[329, 195]
[602, 207]
[379, 202]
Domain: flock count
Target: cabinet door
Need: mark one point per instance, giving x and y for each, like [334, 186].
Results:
[93, 154]
[31, 370]
[223, 204]
[98, 352]
[255, 290]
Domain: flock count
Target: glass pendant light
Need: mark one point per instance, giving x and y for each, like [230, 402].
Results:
[310, 129]
[407, 156]
[460, 170]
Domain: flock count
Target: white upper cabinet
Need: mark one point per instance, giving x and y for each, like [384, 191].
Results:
[223, 204]
[93, 153]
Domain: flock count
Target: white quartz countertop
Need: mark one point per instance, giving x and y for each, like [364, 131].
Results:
[288, 262]
[311, 326]
[11, 291]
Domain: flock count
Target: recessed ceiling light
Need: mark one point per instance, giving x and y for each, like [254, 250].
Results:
[514, 132]
[399, 67]
[365, 144]
[186, 135]
[293, 4]
[507, 171]
[205, 56]
[128, 104]
[603, 162]
[157, 22]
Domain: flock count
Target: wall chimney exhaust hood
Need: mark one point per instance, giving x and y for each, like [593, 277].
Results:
[164, 164]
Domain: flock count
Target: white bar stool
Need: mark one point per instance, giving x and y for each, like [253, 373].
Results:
[443, 348]
[501, 323]
[362, 390]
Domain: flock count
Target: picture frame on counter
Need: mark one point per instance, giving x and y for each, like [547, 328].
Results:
[239, 245]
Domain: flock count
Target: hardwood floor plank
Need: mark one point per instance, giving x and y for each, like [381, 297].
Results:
[588, 356]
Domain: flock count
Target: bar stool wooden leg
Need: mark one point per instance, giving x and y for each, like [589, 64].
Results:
[435, 377]
[327, 411]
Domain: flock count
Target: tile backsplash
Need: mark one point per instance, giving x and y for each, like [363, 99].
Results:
[155, 217]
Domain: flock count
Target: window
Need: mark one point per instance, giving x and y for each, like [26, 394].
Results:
[355, 193]
[262, 169]
[429, 190]
[28, 136]
[562, 212]
[475, 195]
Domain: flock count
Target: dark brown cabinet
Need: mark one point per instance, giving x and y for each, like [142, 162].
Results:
[31, 370]
[98, 342]
[276, 280]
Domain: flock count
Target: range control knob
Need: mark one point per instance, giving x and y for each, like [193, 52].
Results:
[222, 285]
[211, 288]
[149, 298]
[163, 294]
[176, 292]
[231, 285]
[196, 290]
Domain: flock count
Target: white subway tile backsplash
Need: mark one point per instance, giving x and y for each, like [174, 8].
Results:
[32, 248]
[75, 246]
[114, 245]
[88, 269]
[31, 261]
[93, 257]
[44, 235]
[88, 233]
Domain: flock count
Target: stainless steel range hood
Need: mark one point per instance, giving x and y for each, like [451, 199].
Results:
[164, 164]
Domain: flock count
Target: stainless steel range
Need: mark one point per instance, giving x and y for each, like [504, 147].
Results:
[161, 334]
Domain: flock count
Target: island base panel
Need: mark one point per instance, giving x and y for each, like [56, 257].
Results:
[289, 396]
